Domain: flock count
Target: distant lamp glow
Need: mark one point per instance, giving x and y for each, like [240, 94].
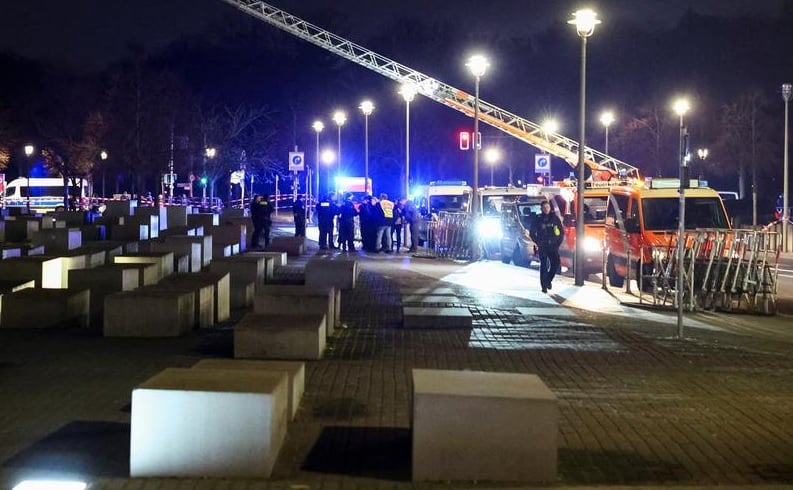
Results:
[585, 21]
[702, 153]
[367, 107]
[492, 156]
[550, 126]
[50, 485]
[318, 126]
[29, 149]
[408, 92]
[606, 119]
[211, 152]
[328, 157]
[681, 107]
[103, 155]
[339, 117]
[478, 65]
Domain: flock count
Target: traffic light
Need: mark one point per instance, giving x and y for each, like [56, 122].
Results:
[465, 140]
[204, 181]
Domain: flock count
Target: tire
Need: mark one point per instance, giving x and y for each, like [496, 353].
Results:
[506, 259]
[615, 280]
[517, 257]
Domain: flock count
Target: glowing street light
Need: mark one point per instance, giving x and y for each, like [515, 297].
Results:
[585, 21]
[606, 119]
[209, 154]
[408, 93]
[339, 117]
[702, 153]
[318, 126]
[478, 65]
[103, 156]
[328, 157]
[367, 107]
[681, 107]
[550, 126]
[787, 91]
[492, 156]
[29, 149]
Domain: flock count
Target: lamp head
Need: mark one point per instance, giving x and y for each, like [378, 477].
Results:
[492, 155]
[408, 91]
[211, 152]
[584, 21]
[29, 150]
[318, 126]
[103, 155]
[328, 157]
[681, 107]
[478, 65]
[607, 118]
[367, 107]
[702, 153]
[550, 126]
[787, 91]
[339, 117]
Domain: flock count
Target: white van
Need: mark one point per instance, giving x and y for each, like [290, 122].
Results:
[44, 194]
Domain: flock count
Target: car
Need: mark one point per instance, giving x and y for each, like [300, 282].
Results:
[516, 243]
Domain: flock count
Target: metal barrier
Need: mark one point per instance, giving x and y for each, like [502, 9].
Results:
[727, 270]
[449, 237]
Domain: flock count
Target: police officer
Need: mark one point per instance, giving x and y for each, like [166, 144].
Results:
[326, 211]
[547, 233]
[261, 211]
[299, 212]
[347, 214]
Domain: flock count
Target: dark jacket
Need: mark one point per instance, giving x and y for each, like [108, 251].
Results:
[326, 211]
[547, 232]
[261, 212]
[347, 213]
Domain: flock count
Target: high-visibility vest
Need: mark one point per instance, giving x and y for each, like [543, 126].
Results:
[388, 208]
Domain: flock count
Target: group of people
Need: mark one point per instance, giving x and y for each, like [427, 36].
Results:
[382, 223]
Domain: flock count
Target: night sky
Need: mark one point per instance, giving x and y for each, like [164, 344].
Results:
[91, 33]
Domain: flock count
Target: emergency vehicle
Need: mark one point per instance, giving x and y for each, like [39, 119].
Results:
[447, 195]
[44, 194]
[641, 217]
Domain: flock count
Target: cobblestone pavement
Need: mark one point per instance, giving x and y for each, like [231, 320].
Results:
[638, 408]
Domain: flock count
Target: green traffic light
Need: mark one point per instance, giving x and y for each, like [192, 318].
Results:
[203, 181]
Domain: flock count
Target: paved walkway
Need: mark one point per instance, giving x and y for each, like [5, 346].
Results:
[638, 408]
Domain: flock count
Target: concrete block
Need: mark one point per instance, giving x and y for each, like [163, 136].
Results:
[181, 264]
[111, 249]
[152, 222]
[58, 240]
[293, 246]
[204, 297]
[280, 337]
[94, 232]
[279, 258]
[118, 208]
[148, 274]
[181, 231]
[18, 229]
[207, 220]
[247, 223]
[339, 272]
[149, 313]
[242, 293]
[100, 282]
[71, 219]
[9, 251]
[243, 269]
[298, 300]
[204, 241]
[429, 317]
[176, 216]
[30, 250]
[9, 286]
[230, 234]
[47, 272]
[191, 249]
[231, 213]
[221, 284]
[471, 425]
[129, 233]
[161, 213]
[164, 261]
[220, 251]
[45, 308]
[295, 371]
[208, 423]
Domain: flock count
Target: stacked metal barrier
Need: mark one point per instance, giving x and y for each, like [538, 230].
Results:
[727, 270]
[449, 237]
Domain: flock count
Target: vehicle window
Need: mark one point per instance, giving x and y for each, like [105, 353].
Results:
[448, 203]
[527, 212]
[622, 205]
[595, 209]
[701, 212]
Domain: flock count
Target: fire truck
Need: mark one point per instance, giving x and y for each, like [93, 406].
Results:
[641, 217]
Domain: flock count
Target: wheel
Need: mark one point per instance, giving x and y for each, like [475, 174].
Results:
[517, 257]
[614, 280]
[506, 259]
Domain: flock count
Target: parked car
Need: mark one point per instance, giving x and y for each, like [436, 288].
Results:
[516, 219]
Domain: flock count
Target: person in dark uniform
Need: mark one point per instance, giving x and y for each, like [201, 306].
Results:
[547, 233]
[261, 211]
[299, 212]
[326, 211]
[412, 218]
[347, 214]
[368, 224]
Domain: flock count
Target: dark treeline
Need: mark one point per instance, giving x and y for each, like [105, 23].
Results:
[252, 92]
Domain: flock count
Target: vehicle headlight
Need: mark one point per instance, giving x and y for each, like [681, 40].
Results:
[488, 228]
[592, 244]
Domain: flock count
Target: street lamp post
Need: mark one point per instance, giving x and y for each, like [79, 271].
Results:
[318, 126]
[492, 156]
[29, 149]
[681, 107]
[585, 21]
[408, 92]
[787, 91]
[367, 107]
[328, 157]
[339, 117]
[606, 119]
[478, 65]
[103, 157]
[702, 153]
[209, 154]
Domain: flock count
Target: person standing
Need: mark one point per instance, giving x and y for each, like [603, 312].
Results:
[326, 211]
[368, 221]
[548, 233]
[385, 214]
[261, 211]
[299, 212]
[399, 220]
[347, 214]
[412, 219]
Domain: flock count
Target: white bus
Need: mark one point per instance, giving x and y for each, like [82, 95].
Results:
[44, 194]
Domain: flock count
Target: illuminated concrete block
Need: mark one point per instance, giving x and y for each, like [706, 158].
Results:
[164, 261]
[93, 257]
[177, 216]
[299, 300]
[204, 297]
[9, 251]
[471, 425]
[18, 229]
[205, 242]
[47, 272]
[58, 240]
[111, 249]
[152, 222]
[181, 264]
[259, 336]
[181, 231]
[70, 219]
[192, 250]
[294, 246]
[208, 423]
[161, 213]
[295, 371]
[148, 274]
[231, 213]
[242, 293]
[100, 282]
[29, 250]
[221, 285]
[243, 269]
[45, 308]
[94, 232]
[8, 286]
[331, 271]
[129, 233]
[279, 258]
[149, 313]
[220, 251]
[230, 234]
[427, 317]
[207, 220]
[118, 208]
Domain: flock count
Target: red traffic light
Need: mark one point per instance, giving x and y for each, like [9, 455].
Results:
[465, 140]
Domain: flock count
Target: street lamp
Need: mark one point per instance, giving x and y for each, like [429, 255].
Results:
[585, 21]
[492, 156]
[328, 157]
[103, 157]
[339, 117]
[681, 107]
[408, 92]
[702, 153]
[478, 65]
[367, 107]
[318, 126]
[209, 153]
[787, 91]
[29, 149]
[606, 118]
[550, 126]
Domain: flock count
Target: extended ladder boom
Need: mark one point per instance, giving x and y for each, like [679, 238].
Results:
[603, 166]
